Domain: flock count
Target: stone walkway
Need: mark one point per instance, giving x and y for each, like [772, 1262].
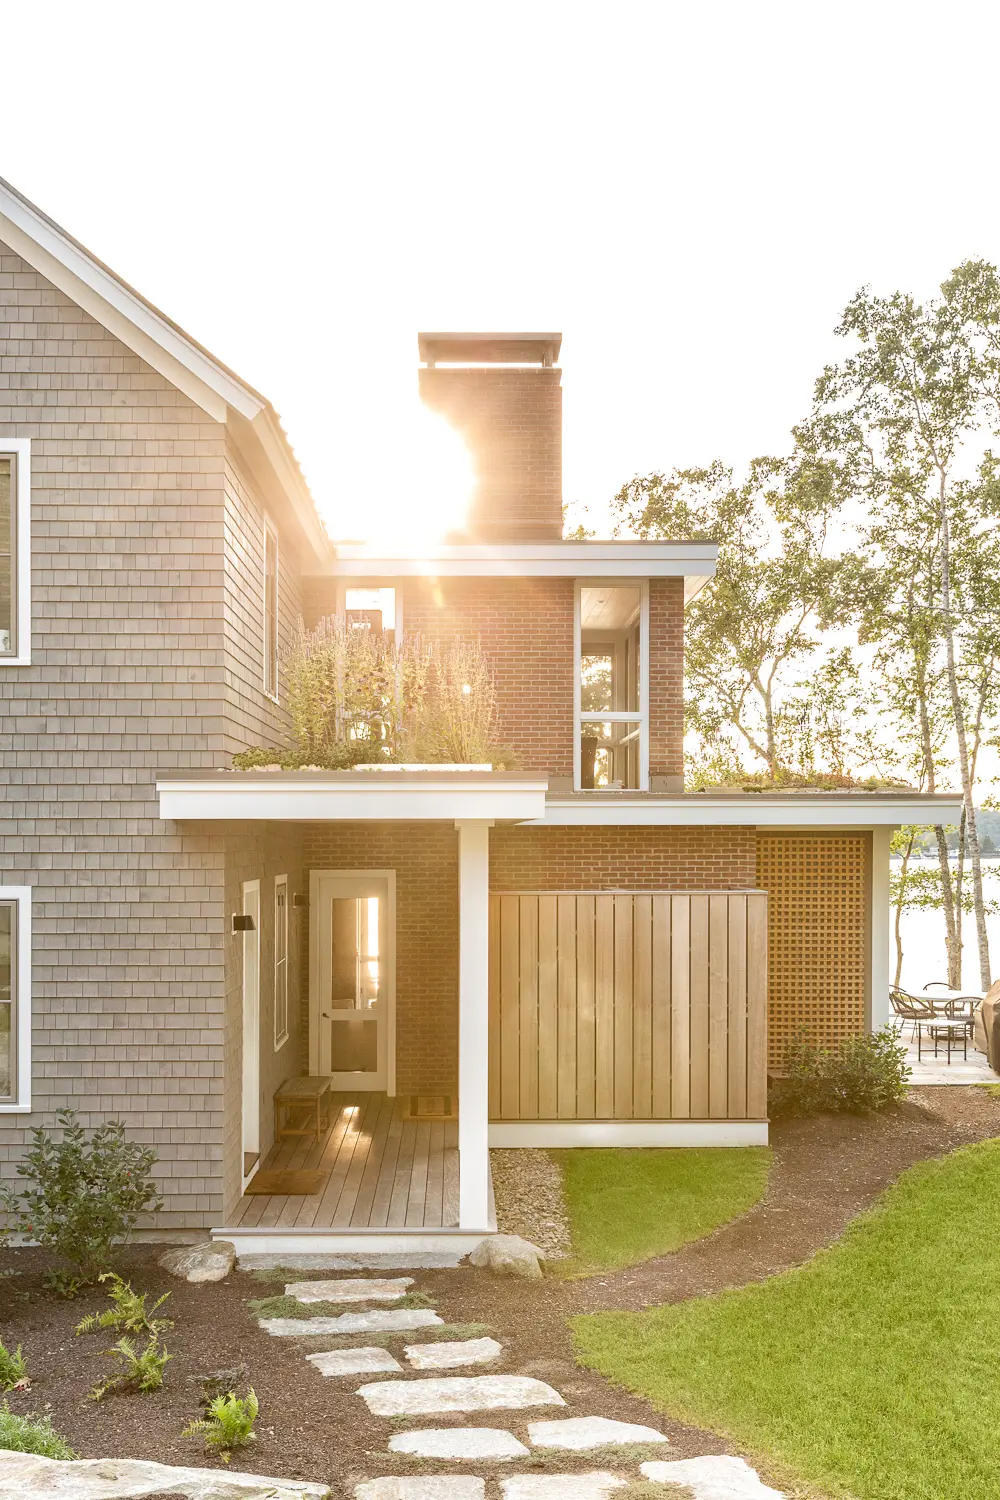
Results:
[407, 1392]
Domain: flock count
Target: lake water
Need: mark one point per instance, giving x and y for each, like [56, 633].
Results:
[923, 939]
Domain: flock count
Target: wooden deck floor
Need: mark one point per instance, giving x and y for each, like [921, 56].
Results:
[381, 1171]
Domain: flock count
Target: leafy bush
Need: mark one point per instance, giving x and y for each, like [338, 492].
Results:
[13, 1368]
[862, 1074]
[138, 1372]
[127, 1313]
[31, 1435]
[229, 1423]
[81, 1197]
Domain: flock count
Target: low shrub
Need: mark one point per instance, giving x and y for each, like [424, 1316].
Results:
[81, 1196]
[138, 1372]
[127, 1313]
[228, 1425]
[31, 1435]
[861, 1074]
[13, 1368]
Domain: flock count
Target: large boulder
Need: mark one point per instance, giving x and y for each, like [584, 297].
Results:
[26, 1475]
[211, 1260]
[508, 1255]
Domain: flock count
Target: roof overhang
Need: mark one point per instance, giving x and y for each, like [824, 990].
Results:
[352, 796]
[692, 561]
[750, 809]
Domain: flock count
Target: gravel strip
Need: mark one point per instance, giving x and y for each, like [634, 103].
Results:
[527, 1186]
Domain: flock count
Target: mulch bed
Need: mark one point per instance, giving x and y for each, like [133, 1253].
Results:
[826, 1170]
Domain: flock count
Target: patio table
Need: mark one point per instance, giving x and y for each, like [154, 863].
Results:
[948, 1028]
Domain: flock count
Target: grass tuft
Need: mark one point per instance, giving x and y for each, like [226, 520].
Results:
[290, 1307]
[32, 1435]
[627, 1206]
[869, 1371]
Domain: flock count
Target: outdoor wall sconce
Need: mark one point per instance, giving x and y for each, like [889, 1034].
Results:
[298, 899]
[243, 922]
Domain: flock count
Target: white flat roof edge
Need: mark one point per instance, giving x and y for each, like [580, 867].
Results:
[369, 799]
[838, 810]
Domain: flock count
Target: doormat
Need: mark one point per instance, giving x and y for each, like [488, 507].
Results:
[430, 1107]
[291, 1184]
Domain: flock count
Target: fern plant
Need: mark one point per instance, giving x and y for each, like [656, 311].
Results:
[228, 1425]
[138, 1372]
[13, 1369]
[128, 1313]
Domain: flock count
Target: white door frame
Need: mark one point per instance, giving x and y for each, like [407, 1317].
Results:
[317, 878]
[250, 1112]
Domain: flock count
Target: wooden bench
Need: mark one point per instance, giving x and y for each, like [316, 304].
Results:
[306, 1104]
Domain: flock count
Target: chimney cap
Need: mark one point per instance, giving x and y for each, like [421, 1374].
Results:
[489, 348]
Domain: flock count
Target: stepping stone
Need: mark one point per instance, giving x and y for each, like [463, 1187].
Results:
[451, 1356]
[562, 1486]
[29, 1474]
[379, 1289]
[718, 1477]
[459, 1442]
[577, 1434]
[354, 1362]
[401, 1398]
[429, 1487]
[362, 1322]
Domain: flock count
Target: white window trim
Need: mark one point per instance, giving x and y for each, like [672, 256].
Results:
[21, 447]
[21, 996]
[270, 530]
[642, 716]
[280, 882]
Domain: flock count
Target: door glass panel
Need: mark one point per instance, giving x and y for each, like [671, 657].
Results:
[354, 1045]
[355, 964]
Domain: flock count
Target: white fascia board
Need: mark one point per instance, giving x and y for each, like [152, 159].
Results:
[319, 801]
[692, 560]
[94, 288]
[586, 1134]
[825, 810]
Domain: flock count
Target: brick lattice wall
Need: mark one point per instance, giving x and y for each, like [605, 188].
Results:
[627, 859]
[425, 859]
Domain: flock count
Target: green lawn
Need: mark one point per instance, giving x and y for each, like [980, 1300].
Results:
[872, 1371]
[625, 1206]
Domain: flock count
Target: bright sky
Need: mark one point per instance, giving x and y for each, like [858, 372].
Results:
[689, 192]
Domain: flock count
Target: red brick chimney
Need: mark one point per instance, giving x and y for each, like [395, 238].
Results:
[503, 394]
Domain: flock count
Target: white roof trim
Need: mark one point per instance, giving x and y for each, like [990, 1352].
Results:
[295, 797]
[791, 811]
[692, 560]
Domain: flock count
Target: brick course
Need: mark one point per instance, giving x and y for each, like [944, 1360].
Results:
[627, 859]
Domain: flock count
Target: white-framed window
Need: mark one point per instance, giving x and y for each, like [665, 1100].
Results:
[15, 552]
[270, 610]
[15, 999]
[280, 961]
[611, 685]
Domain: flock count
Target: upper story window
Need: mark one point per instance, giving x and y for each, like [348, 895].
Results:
[15, 999]
[270, 610]
[15, 551]
[612, 692]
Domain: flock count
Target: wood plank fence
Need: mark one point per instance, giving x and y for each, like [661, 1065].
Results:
[608, 1006]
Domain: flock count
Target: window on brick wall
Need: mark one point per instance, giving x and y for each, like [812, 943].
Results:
[15, 553]
[270, 610]
[612, 693]
[280, 961]
[15, 998]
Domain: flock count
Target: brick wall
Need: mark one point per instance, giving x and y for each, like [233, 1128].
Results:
[511, 420]
[666, 684]
[130, 661]
[425, 859]
[526, 630]
[629, 859]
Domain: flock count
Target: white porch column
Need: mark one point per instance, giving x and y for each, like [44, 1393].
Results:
[473, 1023]
[880, 1008]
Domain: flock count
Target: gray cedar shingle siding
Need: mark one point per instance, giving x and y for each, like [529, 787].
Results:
[146, 656]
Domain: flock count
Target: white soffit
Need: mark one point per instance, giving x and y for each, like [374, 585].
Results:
[693, 561]
[294, 797]
[845, 810]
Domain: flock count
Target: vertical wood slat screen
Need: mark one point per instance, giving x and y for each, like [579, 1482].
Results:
[628, 1007]
[819, 937]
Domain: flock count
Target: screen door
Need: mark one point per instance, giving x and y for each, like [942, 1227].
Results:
[354, 977]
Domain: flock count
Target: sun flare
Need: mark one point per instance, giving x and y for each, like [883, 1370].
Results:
[421, 496]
